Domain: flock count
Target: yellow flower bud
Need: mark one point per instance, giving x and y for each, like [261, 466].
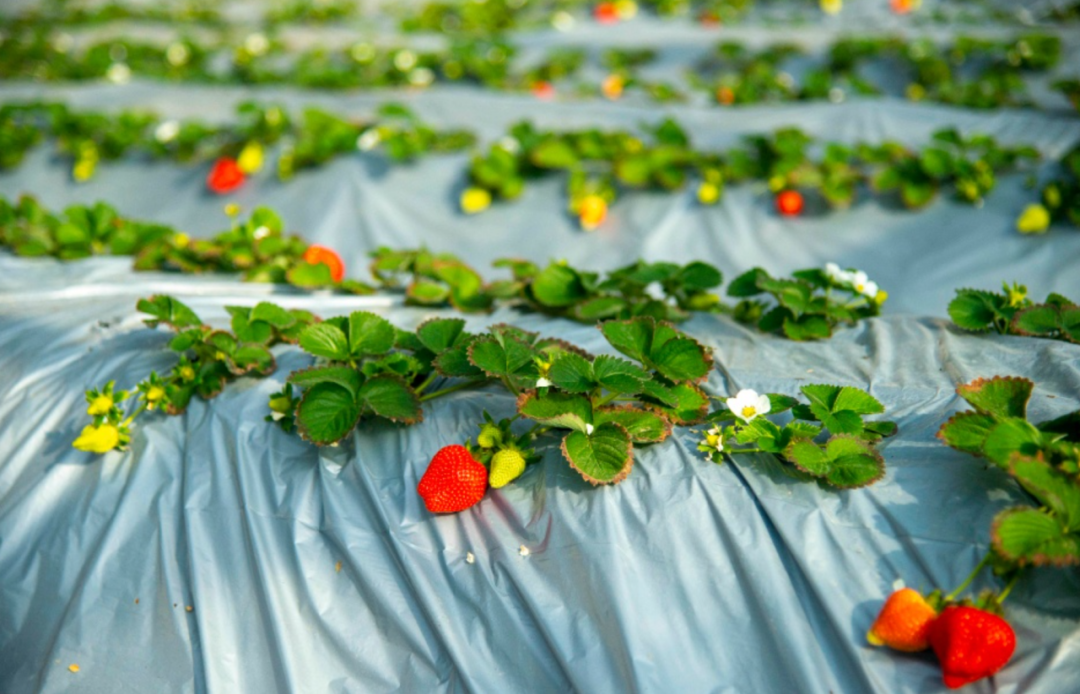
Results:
[777, 183]
[232, 209]
[100, 406]
[915, 92]
[592, 210]
[251, 158]
[708, 193]
[84, 169]
[612, 87]
[832, 6]
[181, 240]
[475, 200]
[187, 373]
[154, 394]
[881, 297]
[100, 439]
[1035, 219]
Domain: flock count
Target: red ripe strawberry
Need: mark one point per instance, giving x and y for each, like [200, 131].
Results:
[316, 255]
[606, 13]
[903, 623]
[971, 644]
[454, 481]
[225, 177]
[789, 203]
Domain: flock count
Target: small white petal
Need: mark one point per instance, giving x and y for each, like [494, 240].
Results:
[589, 429]
[470, 557]
[898, 584]
[277, 416]
[118, 73]
[563, 21]
[870, 289]
[542, 383]
[256, 44]
[368, 140]
[261, 232]
[405, 60]
[523, 551]
[167, 131]
[762, 404]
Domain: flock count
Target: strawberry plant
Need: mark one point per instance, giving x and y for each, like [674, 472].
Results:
[1013, 313]
[827, 439]
[810, 305]
[969, 636]
[208, 359]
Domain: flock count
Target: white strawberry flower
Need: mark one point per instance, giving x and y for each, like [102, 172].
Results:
[836, 274]
[714, 438]
[747, 404]
[862, 284]
[118, 73]
[167, 131]
[369, 140]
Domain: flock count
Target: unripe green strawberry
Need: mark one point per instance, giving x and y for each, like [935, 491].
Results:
[489, 437]
[506, 466]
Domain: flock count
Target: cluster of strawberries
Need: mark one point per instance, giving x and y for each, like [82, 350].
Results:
[971, 643]
[455, 479]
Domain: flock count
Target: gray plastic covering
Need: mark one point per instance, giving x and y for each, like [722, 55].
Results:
[222, 555]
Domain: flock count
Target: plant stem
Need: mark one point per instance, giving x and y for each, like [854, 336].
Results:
[537, 430]
[971, 577]
[450, 389]
[427, 382]
[606, 399]
[746, 450]
[1008, 589]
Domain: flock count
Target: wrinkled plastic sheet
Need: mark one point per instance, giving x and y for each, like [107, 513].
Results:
[222, 555]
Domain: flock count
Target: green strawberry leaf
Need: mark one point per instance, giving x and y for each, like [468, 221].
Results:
[222, 342]
[273, 314]
[505, 357]
[557, 410]
[974, 309]
[967, 431]
[684, 403]
[642, 426]
[255, 359]
[748, 284]
[325, 340]
[369, 334]
[1001, 396]
[440, 334]
[557, 286]
[631, 337]
[780, 403]
[327, 413]
[1052, 488]
[427, 293]
[454, 362]
[677, 357]
[1027, 536]
[572, 373]
[1048, 320]
[1009, 436]
[843, 461]
[618, 375]
[344, 376]
[304, 274]
[167, 310]
[388, 396]
[604, 457]
[762, 432]
[807, 327]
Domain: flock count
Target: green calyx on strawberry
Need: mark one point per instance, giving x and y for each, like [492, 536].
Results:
[506, 466]
[454, 480]
[971, 644]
